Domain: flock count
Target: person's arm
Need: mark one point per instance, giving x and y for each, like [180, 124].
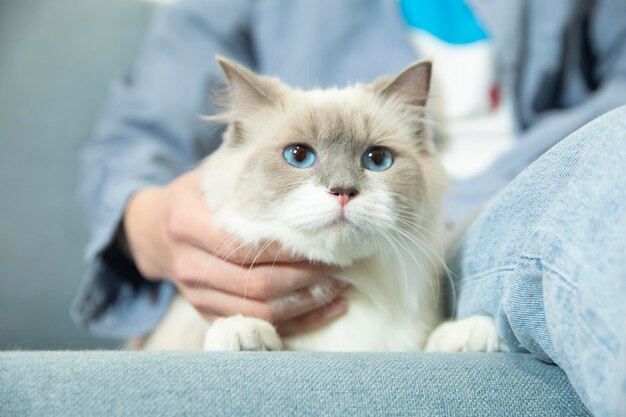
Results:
[149, 134]
[607, 34]
[171, 235]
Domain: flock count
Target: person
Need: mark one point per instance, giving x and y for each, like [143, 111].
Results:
[545, 256]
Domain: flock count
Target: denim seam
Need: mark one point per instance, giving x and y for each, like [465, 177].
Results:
[483, 275]
[550, 268]
[581, 323]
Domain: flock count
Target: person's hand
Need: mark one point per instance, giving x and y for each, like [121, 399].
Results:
[171, 235]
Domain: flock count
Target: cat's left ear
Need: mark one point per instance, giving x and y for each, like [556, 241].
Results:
[247, 89]
[411, 86]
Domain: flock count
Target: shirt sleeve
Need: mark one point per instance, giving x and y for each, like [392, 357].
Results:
[150, 133]
[607, 38]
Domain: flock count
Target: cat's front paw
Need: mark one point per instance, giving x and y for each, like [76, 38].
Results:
[473, 334]
[239, 333]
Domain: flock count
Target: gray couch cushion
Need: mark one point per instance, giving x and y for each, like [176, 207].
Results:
[282, 384]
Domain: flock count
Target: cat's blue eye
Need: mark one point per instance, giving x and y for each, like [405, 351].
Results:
[299, 156]
[377, 158]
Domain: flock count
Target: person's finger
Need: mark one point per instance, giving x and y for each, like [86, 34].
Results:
[196, 268]
[308, 299]
[211, 301]
[313, 319]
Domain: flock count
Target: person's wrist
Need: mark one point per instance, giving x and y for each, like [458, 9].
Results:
[140, 219]
[121, 241]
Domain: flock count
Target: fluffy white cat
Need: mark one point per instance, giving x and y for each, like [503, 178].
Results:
[342, 176]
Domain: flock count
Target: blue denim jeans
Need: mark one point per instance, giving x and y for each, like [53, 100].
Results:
[547, 259]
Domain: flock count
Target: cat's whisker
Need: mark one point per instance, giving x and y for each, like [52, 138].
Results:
[399, 208]
[226, 241]
[372, 207]
[222, 262]
[428, 250]
[247, 276]
[418, 228]
[224, 258]
[220, 251]
[449, 274]
[408, 211]
[375, 233]
[402, 266]
[425, 252]
[375, 208]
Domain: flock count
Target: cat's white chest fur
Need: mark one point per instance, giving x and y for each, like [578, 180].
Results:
[391, 307]
[364, 327]
[381, 316]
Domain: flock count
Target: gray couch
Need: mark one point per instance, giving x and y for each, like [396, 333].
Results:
[57, 60]
[281, 384]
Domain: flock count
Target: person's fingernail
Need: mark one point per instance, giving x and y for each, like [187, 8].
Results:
[344, 285]
[336, 308]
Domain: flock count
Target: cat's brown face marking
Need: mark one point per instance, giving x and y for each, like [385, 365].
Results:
[339, 126]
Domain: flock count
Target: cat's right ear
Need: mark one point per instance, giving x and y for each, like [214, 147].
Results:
[248, 90]
[411, 86]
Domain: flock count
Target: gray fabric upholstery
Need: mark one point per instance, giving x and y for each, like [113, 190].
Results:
[281, 384]
[58, 58]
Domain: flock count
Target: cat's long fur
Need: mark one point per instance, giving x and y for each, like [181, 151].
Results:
[391, 245]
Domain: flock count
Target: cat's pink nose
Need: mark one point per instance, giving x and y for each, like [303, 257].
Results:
[344, 194]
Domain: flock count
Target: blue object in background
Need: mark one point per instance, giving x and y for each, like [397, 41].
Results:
[451, 21]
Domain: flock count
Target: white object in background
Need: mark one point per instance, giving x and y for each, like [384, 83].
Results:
[463, 75]
[475, 142]
[478, 125]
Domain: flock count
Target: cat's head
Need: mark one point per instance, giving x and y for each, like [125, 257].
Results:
[332, 174]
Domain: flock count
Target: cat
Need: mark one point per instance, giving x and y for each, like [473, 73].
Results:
[349, 177]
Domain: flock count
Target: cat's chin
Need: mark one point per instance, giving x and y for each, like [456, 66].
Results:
[336, 245]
